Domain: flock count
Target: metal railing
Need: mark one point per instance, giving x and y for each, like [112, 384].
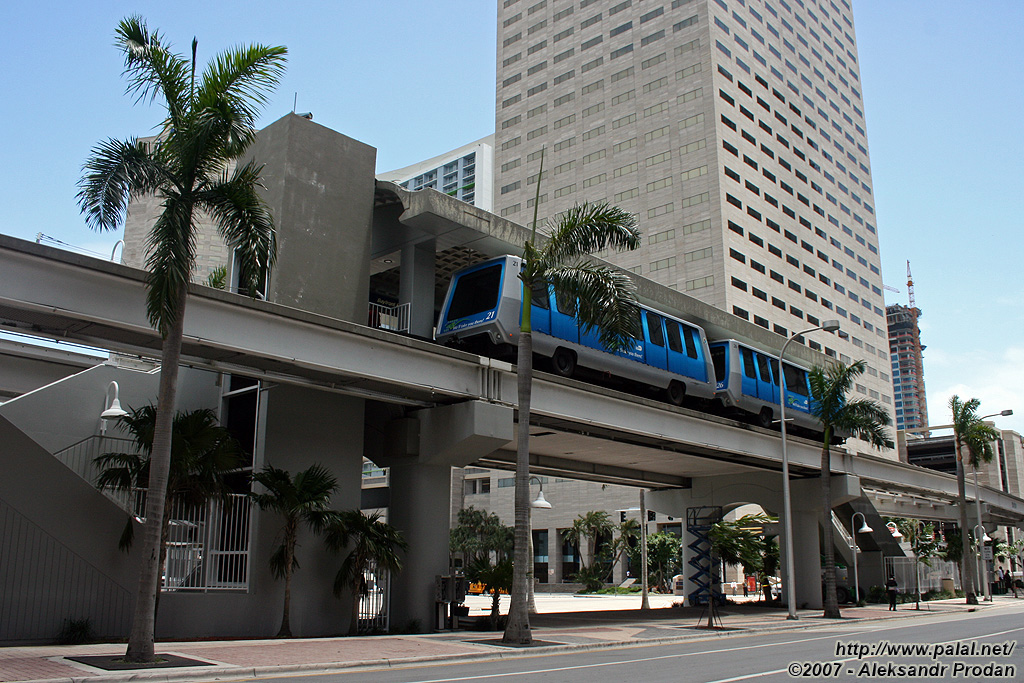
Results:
[373, 605]
[207, 544]
[908, 572]
[393, 318]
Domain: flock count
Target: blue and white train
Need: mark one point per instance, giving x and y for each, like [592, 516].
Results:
[482, 311]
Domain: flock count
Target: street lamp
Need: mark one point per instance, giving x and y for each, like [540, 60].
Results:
[977, 506]
[112, 409]
[540, 502]
[864, 529]
[787, 527]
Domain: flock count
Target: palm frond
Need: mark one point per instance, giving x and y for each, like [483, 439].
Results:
[586, 228]
[171, 246]
[151, 69]
[115, 172]
[243, 77]
[124, 544]
[244, 220]
[866, 420]
[862, 418]
[603, 299]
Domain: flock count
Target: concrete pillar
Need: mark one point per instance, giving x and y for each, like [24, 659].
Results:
[417, 287]
[419, 507]
[807, 558]
[421, 450]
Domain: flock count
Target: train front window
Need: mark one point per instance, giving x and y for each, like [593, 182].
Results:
[718, 360]
[476, 292]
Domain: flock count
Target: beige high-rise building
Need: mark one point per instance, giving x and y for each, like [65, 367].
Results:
[734, 129]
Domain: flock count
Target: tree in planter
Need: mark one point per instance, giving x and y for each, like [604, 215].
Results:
[303, 500]
[861, 418]
[479, 534]
[586, 530]
[371, 543]
[209, 122]
[628, 535]
[496, 577]
[970, 433]
[602, 298]
[202, 453]
[739, 542]
[924, 543]
[663, 551]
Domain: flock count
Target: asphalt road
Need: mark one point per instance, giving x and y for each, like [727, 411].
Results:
[831, 651]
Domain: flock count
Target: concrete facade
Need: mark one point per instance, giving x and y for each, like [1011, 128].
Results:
[737, 137]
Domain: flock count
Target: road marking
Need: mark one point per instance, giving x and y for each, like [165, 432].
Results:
[619, 662]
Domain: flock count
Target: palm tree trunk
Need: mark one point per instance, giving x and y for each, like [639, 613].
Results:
[966, 566]
[353, 625]
[289, 558]
[831, 600]
[141, 639]
[517, 630]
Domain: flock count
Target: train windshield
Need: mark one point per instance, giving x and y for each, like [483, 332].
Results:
[718, 359]
[476, 292]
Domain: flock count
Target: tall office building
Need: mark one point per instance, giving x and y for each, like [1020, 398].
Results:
[905, 350]
[734, 129]
[465, 173]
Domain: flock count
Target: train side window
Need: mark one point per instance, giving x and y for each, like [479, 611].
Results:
[540, 296]
[565, 303]
[748, 363]
[691, 346]
[775, 369]
[796, 380]
[762, 367]
[654, 329]
[675, 342]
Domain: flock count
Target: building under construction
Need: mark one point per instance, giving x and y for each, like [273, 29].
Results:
[905, 351]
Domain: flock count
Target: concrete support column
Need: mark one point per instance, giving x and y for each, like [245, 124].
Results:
[417, 286]
[807, 558]
[420, 508]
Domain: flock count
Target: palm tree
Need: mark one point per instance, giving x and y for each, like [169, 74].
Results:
[589, 527]
[208, 124]
[304, 499]
[496, 577]
[971, 433]
[374, 546]
[604, 299]
[202, 453]
[861, 418]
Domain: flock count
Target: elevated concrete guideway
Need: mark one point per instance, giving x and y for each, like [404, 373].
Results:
[580, 430]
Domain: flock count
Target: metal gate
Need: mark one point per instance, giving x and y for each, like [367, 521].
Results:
[373, 603]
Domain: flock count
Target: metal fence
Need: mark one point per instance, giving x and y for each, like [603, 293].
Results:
[207, 544]
[373, 605]
[394, 318]
[911, 574]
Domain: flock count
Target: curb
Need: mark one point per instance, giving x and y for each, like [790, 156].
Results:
[228, 672]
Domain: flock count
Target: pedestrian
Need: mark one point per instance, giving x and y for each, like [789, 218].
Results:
[890, 587]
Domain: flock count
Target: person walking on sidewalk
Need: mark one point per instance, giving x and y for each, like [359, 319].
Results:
[890, 588]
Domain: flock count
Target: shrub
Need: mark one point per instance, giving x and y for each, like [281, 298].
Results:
[76, 632]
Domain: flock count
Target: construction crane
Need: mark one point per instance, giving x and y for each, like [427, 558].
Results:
[910, 287]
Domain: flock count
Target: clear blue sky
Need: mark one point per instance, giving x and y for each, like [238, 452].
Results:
[941, 82]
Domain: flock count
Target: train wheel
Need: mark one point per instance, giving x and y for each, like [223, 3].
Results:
[676, 392]
[764, 418]
[563, 362]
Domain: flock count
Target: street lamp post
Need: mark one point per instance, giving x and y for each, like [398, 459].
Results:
[865, 529]
[977, 507]
[980, 540]
[787, 527]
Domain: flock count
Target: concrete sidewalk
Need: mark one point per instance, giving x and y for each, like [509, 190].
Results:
[562, 624]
